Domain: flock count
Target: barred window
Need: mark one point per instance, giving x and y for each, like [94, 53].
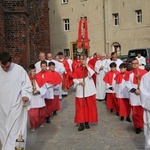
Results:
[116, 19]
[138, 16]
[66, 25]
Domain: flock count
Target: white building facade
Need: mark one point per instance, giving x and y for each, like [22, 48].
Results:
[113, 25]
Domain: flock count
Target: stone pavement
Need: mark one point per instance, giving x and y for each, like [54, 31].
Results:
[61, 134]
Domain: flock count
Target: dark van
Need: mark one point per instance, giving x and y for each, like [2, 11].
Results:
[145, 52]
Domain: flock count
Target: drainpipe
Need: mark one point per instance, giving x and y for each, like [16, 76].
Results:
[104, 19]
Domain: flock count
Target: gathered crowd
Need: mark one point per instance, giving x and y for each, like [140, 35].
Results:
[101, 77]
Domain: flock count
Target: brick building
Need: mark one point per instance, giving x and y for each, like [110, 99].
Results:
[24, 29]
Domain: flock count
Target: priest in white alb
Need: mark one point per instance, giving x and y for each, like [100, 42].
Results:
[100, 84]
[145, 101]
[15, 90]
[114, 59]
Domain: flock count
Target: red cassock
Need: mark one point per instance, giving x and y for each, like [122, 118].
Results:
[75, 64]
[92, 63]
[67, 80]
[123, 103]
[54, 78]
[137, 116]
[53, 104]
[85, 108]
[36, 115]
[111, 100]
[137, 111]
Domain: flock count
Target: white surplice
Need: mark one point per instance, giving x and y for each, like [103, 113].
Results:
[38, 66]
[14, 84]
[121, 90]
[70, 64]
[89, 87]
[113, 85]
[142, 62]
[100, 84]
[145, 101]
[37, 101]
[134, 99]
[49, 91]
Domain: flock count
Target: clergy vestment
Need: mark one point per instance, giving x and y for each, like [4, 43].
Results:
[55, 79]
[58, 66]
[92, 62]
[145, 102]
[67, 80]
[118, 63]
[42, 77]
[132, 81]
[14, 84]
[111, 101]
[75, 64]
[36, 111]
[86, 109]
[70, 64]
[122, 95]
[100, 84]
[142, 62]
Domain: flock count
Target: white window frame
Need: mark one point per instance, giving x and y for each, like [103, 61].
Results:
[116, 19]
[66, 24]
[138, 16]
[64, 1]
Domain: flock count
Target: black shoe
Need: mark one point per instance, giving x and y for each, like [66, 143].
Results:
[111, 110]
[121, 118]
[100, 100]
[117, 114]
[81, 127]
[64, 95]
[87, 125]
[137, 130]
[54, 113]
[48, 120]
[128, 119]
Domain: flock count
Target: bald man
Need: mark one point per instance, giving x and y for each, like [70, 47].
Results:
[58, 67]
[37, 65]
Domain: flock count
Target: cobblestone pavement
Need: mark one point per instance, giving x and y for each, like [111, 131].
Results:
[61, 134]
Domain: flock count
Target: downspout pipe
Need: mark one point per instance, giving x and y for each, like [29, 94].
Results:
[104, 19]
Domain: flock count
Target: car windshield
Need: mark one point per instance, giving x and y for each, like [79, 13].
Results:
[133, 53]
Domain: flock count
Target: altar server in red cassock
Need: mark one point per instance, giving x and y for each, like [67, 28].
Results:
[76, 63]
[85, 101]
[42, 77]
[36, 113]
[111, 101]
[55, 79]
[133, 84]
[92, 63]
[122, 94]
[67, 80]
